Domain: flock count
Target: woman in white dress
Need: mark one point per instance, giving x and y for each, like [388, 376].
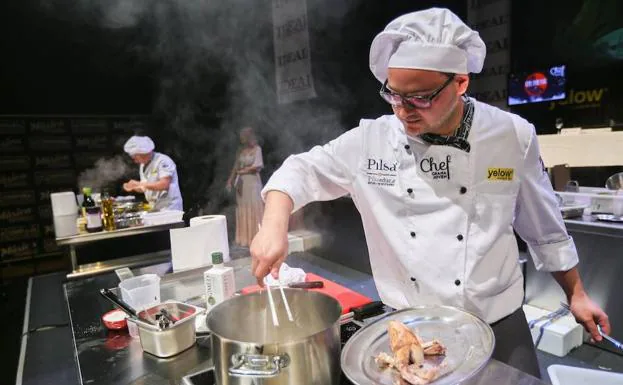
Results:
[245, 179]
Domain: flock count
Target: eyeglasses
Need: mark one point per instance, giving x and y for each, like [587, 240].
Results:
[415, 101]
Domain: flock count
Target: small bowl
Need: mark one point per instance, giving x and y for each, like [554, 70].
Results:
[113, 321]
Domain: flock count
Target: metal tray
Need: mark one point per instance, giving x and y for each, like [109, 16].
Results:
[609, 218]
[468, 339]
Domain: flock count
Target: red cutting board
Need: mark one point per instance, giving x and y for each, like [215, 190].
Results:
[345, 296]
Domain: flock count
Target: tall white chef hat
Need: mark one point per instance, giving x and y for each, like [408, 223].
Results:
[432, 39]
[139, 145]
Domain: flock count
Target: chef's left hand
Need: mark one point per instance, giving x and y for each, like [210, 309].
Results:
[589, 314]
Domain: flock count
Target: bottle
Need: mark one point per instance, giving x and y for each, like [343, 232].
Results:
[219, 282]
[108, 215]
[91, 211]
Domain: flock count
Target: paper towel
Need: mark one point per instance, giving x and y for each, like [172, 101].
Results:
[63, 203]
[192, 247]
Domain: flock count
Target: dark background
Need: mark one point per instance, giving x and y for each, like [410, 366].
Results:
[586, 36]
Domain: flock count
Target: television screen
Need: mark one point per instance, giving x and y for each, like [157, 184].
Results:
[537, 86]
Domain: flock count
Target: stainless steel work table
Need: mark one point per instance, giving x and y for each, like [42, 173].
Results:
[104, 357]
[600, 250]
[99, 267]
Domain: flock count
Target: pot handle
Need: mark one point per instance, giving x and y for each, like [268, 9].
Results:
[257, 365]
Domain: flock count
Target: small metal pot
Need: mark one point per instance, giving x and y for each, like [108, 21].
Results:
[247, 349]
[171, 338]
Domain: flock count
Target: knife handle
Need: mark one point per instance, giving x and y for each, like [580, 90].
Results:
[368, 310]
[307, 285]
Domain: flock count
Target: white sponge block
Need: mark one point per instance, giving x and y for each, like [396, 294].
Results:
[559, 337]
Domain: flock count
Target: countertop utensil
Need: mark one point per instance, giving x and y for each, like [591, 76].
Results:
[614, 342]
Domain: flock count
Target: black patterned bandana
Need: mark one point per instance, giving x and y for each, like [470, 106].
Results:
[459, 139]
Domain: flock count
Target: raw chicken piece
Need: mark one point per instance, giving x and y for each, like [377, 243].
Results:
[408, 360]
[434, 348]
[400, 335]
[411, 377]
[398, 380]
[384, 360]
[417, 375]
[416, 354]
[402, 357]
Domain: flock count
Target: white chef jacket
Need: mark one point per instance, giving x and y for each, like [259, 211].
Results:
[159, 167]
[438, 220]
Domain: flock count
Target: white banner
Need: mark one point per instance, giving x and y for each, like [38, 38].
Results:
[292, 56]
[492, 19]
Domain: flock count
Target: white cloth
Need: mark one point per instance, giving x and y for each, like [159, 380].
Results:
[159, 167]
[439, 220]
[139, 145]
[433, 39]
[287, 275]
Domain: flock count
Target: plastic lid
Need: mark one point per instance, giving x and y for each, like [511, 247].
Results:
[86, 190]
[217, 258]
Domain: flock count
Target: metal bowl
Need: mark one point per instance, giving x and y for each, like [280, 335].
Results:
[615, 182]
[468, 339]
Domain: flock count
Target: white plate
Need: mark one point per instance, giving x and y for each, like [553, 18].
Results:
[469, 342]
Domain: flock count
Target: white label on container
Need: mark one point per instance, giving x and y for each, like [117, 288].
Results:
[94, 221]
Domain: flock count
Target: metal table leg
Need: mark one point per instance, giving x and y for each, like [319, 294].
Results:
[74, 258]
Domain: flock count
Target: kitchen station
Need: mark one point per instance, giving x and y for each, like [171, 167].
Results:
[312, 192]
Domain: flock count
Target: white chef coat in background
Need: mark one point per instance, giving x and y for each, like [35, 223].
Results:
[159, 167]
[438, 220]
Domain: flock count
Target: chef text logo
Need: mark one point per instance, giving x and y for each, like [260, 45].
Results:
[381, 172]
[497, 173]
[437, 169]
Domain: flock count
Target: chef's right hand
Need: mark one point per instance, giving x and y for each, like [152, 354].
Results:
[269, 249]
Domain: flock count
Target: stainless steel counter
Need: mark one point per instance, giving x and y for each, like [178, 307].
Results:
[99, 267]
[115, 358]
[600, 249]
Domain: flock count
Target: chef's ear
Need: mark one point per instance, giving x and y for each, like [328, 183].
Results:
[462, 81]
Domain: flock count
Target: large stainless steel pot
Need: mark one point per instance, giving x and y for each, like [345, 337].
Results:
[248, 350]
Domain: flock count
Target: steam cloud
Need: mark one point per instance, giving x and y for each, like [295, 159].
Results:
[216, 75]
[106, 171]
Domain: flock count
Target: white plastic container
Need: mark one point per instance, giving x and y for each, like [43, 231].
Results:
[140, 292]
[570, 375]
[597, 200]
[162, 217]
[219, 282]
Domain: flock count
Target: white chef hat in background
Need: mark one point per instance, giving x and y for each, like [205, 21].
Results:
[139, 145]
[433, 39]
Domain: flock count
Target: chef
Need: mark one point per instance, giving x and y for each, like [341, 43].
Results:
[439, 185]
[158, 175]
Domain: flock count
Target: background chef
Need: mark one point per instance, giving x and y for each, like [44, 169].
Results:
[158, 175]
[440, 185]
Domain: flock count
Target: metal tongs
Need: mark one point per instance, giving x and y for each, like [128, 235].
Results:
[271, 302]
[273, 311]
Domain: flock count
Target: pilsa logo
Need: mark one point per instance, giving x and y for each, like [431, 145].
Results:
[497, 173]
[381, 165]
[438, 169]
[381, 172]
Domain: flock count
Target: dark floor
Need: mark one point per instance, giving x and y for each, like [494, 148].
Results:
[13, 300]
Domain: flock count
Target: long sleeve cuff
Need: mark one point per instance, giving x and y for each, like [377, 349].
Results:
[557, 256]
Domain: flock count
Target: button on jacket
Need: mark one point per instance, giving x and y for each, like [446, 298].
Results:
[439, 220]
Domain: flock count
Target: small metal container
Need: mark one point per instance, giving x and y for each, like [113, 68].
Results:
[168, 340]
